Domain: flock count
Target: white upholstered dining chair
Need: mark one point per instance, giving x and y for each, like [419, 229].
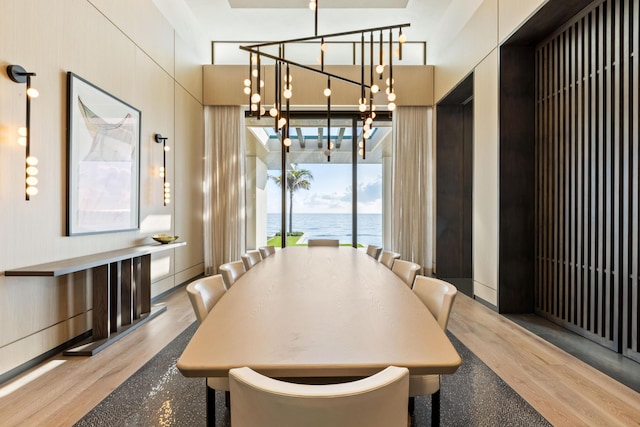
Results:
[266, 251]
[251, 258]
[376, 401]
[323, 242]
[231, 272]
[406, 270]
[438, 296]
[374, 251]
[204, 294]
[387, 258]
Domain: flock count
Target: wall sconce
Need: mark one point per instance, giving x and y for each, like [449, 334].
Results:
[18, 74]
[166, 187]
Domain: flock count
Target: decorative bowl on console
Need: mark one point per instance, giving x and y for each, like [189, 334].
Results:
[164, 238]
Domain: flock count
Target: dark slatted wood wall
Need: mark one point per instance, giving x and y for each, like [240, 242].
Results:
[587, 173]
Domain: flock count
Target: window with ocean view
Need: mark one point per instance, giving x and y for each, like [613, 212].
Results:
[322, 203]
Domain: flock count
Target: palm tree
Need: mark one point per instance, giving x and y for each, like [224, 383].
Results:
[296, 179]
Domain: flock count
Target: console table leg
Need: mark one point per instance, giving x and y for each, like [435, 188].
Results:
[127, 293]
[114, 300]
[145, 284]
[137, 287]
[101, 287]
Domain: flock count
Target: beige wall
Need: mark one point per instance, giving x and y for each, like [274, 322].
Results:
[223, 85]
[485, 179]
[146, 64]
[474, 49]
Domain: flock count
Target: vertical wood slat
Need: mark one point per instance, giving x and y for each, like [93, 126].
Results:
[546, 184]
[600, 266]
[593, 136]
[625, 160]
[537, 179]
[556, 161]
[590, 188]
[608, 184]
[588, 173]
[634, 344]
[583, 249]
[617, 167]
[576, 170]
[545, 174]
[566, 142]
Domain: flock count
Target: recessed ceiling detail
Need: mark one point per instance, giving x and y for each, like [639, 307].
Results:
[325, 4]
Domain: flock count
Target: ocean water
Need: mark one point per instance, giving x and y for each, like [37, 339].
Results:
[332, 226]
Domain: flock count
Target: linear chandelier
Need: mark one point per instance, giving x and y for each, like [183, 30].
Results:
[254, 86]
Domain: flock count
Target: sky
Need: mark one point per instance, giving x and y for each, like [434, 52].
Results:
[331, 190]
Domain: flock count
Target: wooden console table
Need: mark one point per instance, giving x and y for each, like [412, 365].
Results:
[121, 282]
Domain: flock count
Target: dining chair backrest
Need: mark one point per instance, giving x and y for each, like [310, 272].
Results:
[437, 295]
[374, 251]
[250, 258]
[323, 242]
[387, 258]
[231, 272]
[204, 293]
[376, 401]
[266, 251]
[406, 270]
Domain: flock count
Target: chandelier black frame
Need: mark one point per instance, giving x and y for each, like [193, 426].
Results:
[254, 86]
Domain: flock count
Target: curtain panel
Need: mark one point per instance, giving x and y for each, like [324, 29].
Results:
[412, 185]
[224, 186]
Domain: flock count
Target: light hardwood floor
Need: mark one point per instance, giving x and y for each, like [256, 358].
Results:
[563, 389]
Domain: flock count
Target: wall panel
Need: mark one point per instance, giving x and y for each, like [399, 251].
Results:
[587, 161]
[103, 42]
[485, 178]
[456, 55]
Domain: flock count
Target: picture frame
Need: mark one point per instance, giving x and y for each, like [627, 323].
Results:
[103, 160]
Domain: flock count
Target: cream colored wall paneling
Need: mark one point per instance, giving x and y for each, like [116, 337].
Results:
[456, 55]
[108, 44]
[144, 26]
[485, 176]
[188, 203]
[188, 66]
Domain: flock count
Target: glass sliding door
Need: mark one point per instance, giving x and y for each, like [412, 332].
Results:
[371, 175]
[319, 198]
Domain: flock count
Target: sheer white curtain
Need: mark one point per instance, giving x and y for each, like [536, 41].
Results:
[224, 186]
[412, 185]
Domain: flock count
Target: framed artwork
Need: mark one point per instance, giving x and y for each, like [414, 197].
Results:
[103, 160]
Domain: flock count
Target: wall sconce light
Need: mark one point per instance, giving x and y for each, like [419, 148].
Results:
[166, 186]
[18, 74]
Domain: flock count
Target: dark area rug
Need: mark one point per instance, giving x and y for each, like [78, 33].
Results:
[158, 395]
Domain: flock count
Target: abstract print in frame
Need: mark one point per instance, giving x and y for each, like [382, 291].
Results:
[103, 160]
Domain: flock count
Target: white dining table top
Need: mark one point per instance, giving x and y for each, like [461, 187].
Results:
[318, 312]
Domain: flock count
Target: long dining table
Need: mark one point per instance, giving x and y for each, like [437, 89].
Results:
[318, 312]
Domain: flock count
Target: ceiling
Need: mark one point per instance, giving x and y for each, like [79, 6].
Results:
[268, 20]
